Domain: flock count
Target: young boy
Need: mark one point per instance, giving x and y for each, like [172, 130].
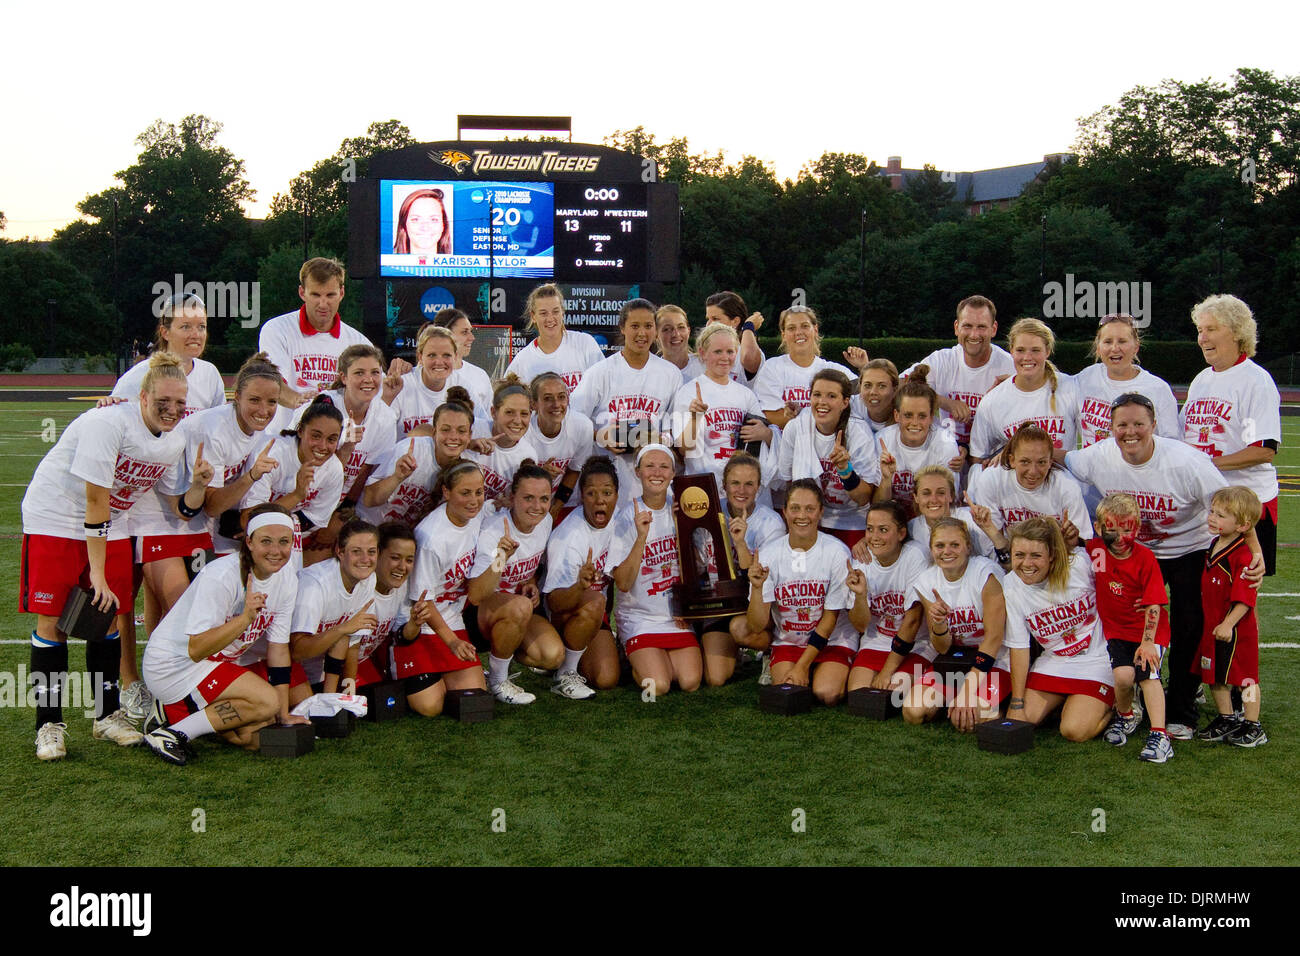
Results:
[1130, 602]
[1230, 642]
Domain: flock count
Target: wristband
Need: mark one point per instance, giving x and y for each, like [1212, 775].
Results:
[276, 676]
[1016, 703]
[851, 480]
[939, 633]
[304, 523]
[97, 530]
[562, 493]
[747, 326]
[983, 662]
[1003, 554]
[333, 665]
[817, 641]
[186, 511]
[901, 647]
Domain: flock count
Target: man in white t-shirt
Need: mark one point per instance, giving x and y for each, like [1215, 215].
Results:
[305, 345]
[964, 373]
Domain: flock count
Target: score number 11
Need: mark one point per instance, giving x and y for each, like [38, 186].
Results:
[574, 225]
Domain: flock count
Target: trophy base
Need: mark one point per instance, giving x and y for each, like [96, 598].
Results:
[724, 599]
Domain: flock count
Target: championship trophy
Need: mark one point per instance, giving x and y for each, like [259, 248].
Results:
[701, 535]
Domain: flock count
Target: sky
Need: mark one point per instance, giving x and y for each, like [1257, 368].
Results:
[962, 86]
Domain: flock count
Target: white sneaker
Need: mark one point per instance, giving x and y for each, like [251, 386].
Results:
[765, 675]
[49, 741]
[117, 728]
[572, 685]
[508, 692]
[1180, 731]
[136, 700]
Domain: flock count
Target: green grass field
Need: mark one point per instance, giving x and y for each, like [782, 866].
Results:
[689, 779]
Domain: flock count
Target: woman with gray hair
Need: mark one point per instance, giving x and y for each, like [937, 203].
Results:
[1233, 410]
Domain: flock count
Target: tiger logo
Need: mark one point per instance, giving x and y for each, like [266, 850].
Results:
[452, 159]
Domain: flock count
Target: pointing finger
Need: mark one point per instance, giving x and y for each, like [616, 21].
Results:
[269, 446]
[198, 456]
[424, 594]
[410, 449]
[367, 607]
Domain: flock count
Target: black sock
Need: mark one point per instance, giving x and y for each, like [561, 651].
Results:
[104, 662]
[49, 677]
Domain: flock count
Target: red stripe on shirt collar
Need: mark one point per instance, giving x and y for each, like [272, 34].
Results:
[308, 329]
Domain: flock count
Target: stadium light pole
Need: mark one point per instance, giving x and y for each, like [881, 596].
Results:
[1042, 264]
[1220, 286]
[862, 276]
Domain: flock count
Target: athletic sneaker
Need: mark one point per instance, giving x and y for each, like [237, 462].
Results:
[117, 728]
[1220, 728]
[572, 685]
[508, 692]
[1180, 731]
[49, 741]
[1249, 734]
[170, 745]
[1120, 727]
[765, 675]
[1157, 749]
[136, 700]
[1200, 695]
[1138, 712]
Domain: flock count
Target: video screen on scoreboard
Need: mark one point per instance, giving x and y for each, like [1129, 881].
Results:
[466, 229]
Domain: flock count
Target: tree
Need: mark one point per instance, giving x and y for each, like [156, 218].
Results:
[935, 197]
[178, 211]
[50, 306]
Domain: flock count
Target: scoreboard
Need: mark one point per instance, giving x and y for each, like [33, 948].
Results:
[482, 223]
[562, 212]
[601, 232]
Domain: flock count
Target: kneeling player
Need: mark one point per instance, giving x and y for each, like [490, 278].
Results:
[577, 582]
[207, 664]
[798, 585]
[432, 653]
[503, 584]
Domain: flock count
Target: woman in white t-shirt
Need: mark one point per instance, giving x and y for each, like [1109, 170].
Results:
[1037, 394]
[873, 405]
[475, 381]
[889, 654]
[1115, 346]
[914, 442]
[730, 309]
[1233, 411]
[308, 481]
[401, 486]
[712, 412]
[661, 647]
[425, 388]
[219, 661]
[936, 497]
[1051, 598]
[1025, 481]
[673, 341]
[783, 384]
[104, 460]
[556, 349]
[163, 540]
[750, 526]
[835, 450]
[503, 585]
[799, 586]
[368, 422]
[368, 652]
[628, 395]
[510, 445]
[578, 575]
[562, 438]
[961, 597]
[433, 654]
[238, 446]
[335, 602]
